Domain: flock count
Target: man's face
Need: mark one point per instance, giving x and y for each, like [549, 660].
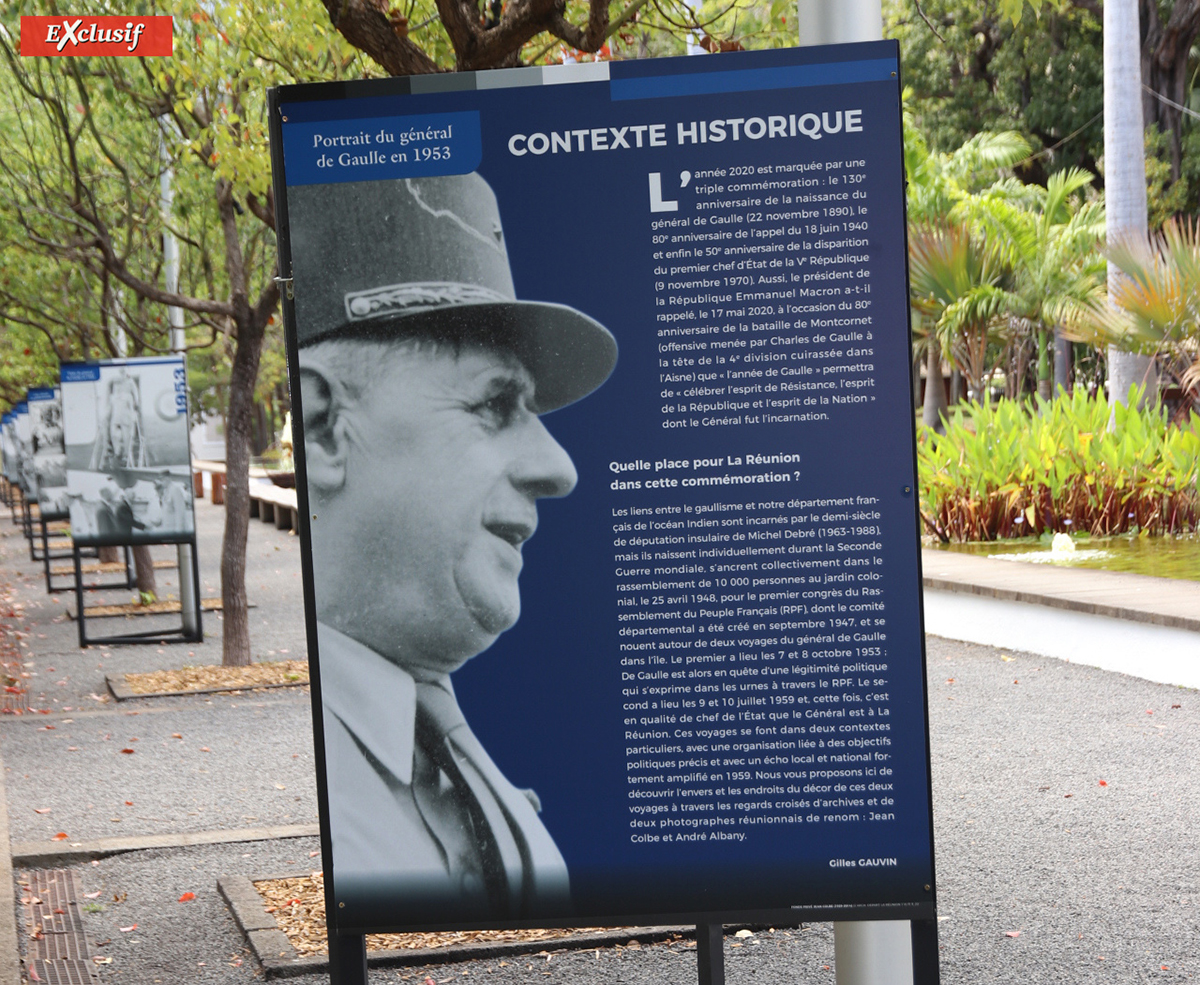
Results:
[441, 486]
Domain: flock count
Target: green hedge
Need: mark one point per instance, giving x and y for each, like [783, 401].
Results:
[1014, 469]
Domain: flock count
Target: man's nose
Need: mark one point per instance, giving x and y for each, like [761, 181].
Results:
[542, 467]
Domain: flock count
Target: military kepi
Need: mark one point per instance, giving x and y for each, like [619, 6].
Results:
[425, 257]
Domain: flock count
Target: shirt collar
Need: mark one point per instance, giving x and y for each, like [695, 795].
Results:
[375, 699]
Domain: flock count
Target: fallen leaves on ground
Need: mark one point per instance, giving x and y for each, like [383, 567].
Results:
[61, 836]
[187, 897]
[299, 908]
[201, 678]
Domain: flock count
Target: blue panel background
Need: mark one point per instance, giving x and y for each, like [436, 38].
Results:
[578, 232]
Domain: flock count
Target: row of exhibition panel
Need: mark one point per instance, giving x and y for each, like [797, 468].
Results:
[102, 460]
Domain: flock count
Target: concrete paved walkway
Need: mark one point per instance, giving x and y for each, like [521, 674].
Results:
[1099, 881]
[1139, 598]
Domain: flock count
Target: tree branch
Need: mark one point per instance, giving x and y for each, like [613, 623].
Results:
[366, 26]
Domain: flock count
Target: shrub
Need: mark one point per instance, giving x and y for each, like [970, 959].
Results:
[1013, 469]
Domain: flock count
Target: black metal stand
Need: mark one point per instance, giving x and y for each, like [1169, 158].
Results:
[47, 555]
[710, 953]
[27, 526]
[347, 959]
[926, 970]
[180, 635]
[125, 579]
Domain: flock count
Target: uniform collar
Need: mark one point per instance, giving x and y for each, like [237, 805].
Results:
[375, 699]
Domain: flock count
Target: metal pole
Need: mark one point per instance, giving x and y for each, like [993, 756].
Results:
[710, 954]
[839, 21]
[876, 952]
[873, 952]
[188, 585]
[347, 959]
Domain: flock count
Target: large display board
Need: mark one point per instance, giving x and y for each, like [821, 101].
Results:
[49, 452]
[8, 444]
[127, 455]
[638, 334]
[23, 430]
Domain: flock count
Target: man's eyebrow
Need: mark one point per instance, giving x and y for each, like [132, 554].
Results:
[508, 381]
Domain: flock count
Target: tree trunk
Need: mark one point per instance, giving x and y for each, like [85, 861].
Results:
[1125, 168]
[143, 565]
[1165, 51]
[1063, 357]
[239, 427]
[935, 392]
[1126, 369]
[1044, 374]
[956, 386]
[110, 554]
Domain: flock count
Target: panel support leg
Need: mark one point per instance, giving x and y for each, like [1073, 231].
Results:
[873, 952]
[710, 953]
[347, 959]
[79, 597]
[189, 592]
[926, 967]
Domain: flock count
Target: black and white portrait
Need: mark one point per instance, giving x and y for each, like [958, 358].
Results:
[424, 388]
[49, 454]
[127, 456]
[8, 443]
[26, 477]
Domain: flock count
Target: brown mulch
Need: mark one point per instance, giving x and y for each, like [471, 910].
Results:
[202, 678]
[147, 609]
[299, 908]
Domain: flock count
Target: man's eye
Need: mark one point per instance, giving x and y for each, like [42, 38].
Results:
[500, 408]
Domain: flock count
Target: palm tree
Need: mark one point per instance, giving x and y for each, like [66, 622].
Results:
[958, 284]
[1050, 241]
[1155, 306]
[1124, 172]
[936, 181]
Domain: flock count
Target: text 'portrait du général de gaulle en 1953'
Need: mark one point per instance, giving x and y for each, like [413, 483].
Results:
[423, 384]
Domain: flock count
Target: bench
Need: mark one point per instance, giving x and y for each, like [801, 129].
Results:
[270, 503]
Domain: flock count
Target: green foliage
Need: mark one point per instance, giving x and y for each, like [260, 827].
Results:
[1164, 198]
[1009, 470]
[1042, 76]
[958, 283]
[1157, 302]
[939, 180]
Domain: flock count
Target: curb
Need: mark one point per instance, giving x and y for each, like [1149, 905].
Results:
[10, 968]
[1059, 602]
[43, 854]
[120, 690]
[279, 959]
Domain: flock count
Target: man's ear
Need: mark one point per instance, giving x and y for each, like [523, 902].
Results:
[326, 444]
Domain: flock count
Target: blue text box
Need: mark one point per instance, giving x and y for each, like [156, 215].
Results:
[333, 151]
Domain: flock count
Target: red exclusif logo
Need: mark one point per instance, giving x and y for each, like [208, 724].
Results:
[96, 35]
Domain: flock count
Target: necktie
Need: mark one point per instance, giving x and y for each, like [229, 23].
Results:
[445, 738]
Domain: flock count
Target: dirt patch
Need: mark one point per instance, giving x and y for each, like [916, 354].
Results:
[299, 908]
[203, 678]
[164, 607]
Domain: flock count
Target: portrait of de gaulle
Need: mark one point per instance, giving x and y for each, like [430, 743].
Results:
[424, 388]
